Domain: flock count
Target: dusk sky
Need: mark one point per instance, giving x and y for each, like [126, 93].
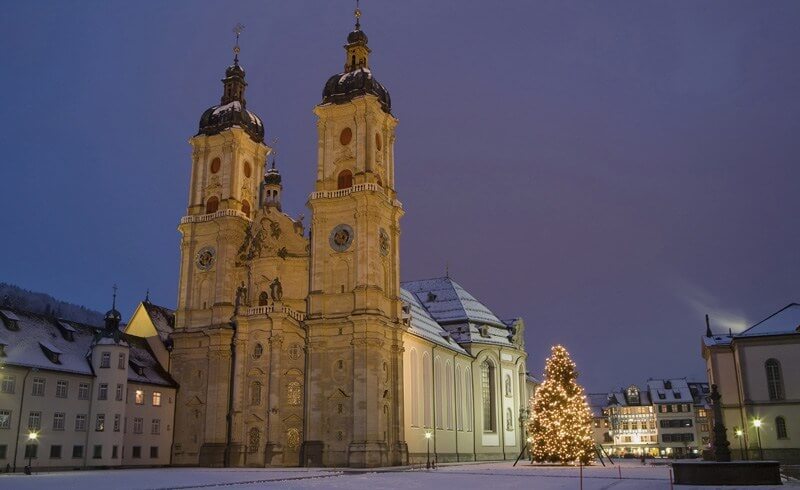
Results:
[609, 171]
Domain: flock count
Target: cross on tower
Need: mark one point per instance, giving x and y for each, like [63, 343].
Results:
[237, 29]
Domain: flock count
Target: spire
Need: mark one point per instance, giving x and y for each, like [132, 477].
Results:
[356, 47]
[234, 76]
[113, 317]
[272, 187]
[114, 298]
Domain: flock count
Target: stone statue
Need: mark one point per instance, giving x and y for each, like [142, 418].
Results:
[720, 444]
[276, 290]
[241, 297]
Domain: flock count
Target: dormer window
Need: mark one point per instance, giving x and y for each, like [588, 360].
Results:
[662, 395]
[668, 385]
[484, 331]
[431, 296]
[53, 354]
[10, 320]
[138, 369]
[67, 331]
[676, 394]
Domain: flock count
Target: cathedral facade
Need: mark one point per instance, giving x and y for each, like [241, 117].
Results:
[297, 347]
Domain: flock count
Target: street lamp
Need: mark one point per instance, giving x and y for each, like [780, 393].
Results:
[757, 425]
[32, 437]
[428, 438]
[740, 435]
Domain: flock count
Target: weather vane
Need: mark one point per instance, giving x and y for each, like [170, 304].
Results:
[237, 29]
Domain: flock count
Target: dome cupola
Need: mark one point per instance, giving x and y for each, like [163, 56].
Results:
[231, 110]
[356, 80]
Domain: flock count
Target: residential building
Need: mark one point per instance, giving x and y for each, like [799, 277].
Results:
[757, 373]
[632, 422]
[74, 386]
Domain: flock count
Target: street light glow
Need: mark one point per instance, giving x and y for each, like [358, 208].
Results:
[739, 432]
[757, 422]
[33, 436]
[427, 435]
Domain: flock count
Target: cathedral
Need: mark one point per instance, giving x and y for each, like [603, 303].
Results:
[303, 347]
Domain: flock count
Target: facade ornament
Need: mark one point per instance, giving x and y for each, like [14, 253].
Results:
[276, 289]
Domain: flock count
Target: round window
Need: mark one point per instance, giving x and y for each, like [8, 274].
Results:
[215, 165]
[345, 136]
[247, 169]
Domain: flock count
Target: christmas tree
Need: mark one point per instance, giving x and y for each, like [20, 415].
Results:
[561, 423]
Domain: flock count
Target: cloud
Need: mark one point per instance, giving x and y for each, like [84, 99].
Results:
[721, 317]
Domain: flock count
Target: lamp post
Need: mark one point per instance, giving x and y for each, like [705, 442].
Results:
[757, 425]
[32, 437]
[428, 438]
[740, 435]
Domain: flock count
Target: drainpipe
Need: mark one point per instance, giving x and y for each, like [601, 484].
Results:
[19, 417]
[433, 384]
[455, 405]
[229, 418]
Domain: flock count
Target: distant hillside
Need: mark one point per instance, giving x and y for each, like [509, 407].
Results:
[15, 297]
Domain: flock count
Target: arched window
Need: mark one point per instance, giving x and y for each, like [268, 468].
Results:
[246, 208]
[774, 379]
[255, 393]
[293, 393]
[414, 389]
[448, 385]
[255, 440]
[439, 389]
[426, 389]
[469, 420]
[488, 396]
[248, 170]
[780, 428]
[212, 205]
[345, 180]
[460, 402]
[263, 298]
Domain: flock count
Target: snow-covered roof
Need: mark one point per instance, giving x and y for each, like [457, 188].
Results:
[443, 310]
[35, 335]
[447, 302]
[669, 391]
[782, 322]
[597, 402]
[163, 319]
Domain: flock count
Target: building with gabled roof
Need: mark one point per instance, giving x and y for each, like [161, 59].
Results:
[756, 373]
[79, 396]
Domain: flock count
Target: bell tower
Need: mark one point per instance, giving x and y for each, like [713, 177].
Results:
[228, 155]
[354, 328]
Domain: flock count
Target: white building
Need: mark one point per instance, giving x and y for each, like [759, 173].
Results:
[632, 422]
[674, 409]
[756, 373]
[93, 397]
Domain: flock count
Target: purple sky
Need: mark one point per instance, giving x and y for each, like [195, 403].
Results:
[610, 171]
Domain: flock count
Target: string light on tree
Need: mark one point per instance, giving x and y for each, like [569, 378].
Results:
[561, 423]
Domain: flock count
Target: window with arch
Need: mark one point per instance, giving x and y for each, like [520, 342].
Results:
[263, 298]
[460, 402]
[293, 393]
[470, 413]
[248, 170]
[254, 440]
[246, 208]
[212, 205]
[414, 389]
[258, 350]
[507, 385]
[426, 390]
[488, 396]
[255, 393]
[344, 180]
[439, 389]
[448, 386]
[774, 379]
[780, 428]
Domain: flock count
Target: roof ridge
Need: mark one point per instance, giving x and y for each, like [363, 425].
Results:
[765, 319]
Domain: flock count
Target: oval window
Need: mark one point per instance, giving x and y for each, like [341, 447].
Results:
[378, 143]
[247, 169]
[346, 136]
[215, 165]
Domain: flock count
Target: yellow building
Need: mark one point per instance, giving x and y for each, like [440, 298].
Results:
[295, 348]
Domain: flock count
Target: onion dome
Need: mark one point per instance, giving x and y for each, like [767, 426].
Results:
[272, 177]
[113, 317]
[231, 111]
[356, 80]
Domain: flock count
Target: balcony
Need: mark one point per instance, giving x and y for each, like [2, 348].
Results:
[200, 218]
[267, 309]
[356, 188]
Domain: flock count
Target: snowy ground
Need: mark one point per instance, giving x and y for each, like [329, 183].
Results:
[493, 476]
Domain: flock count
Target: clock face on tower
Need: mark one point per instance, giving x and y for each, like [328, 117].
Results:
[205, 258]
[341, 238]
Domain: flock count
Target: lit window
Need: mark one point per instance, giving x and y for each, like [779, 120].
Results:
[100, 423]
[156, 398]
[139, 397]
[774, 379]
